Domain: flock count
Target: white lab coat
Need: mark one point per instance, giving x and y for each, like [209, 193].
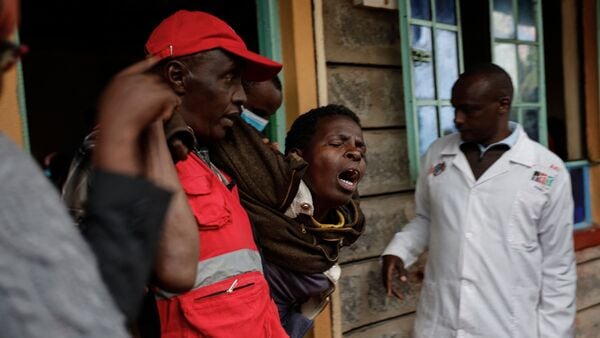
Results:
[501, 261]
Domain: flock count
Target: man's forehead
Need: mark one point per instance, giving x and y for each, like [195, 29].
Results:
[217, 54]
[215, 59]
[473, 87]
[474, 79]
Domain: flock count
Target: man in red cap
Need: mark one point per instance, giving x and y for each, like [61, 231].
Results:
[204, 61]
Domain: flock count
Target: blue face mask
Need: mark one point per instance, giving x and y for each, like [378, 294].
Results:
[254, 120]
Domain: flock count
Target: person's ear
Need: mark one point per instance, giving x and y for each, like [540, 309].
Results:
[296, 151]
[175, 73]
[504, 105]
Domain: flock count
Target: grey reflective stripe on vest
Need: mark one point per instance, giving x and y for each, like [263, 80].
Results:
[222, 267]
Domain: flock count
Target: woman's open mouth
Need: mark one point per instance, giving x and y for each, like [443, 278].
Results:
[349, 179]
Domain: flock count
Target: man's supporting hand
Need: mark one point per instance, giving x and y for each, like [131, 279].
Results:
[393, 265]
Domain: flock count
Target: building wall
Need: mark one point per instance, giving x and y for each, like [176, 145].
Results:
[362, 54]
[587, 324]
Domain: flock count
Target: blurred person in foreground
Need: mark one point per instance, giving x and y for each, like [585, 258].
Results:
[53, 283]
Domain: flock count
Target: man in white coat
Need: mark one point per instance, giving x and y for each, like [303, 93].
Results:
[495, 210]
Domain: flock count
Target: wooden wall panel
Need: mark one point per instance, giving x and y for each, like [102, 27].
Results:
[298, 51]
[588, 278]
[360, 35]
[364, 299]
[587, 324]
[361, 53]
[587, 254]
[590, 78]
[385, 216]
[387, 162]
[375, 94]
[572, 79]
[588, 284]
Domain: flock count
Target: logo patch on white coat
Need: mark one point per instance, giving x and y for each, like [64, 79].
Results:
[542, 178]
[437, 169]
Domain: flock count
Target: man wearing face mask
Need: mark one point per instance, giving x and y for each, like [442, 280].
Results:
[263, 100]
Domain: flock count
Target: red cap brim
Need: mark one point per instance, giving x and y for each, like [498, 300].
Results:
[257, 67]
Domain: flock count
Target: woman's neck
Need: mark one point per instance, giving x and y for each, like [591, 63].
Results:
[324, 215]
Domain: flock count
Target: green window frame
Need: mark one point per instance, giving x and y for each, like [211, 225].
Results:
[269, 41]
[518, 46]
[436, 103]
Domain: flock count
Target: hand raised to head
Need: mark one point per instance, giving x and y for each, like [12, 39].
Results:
[133, 100]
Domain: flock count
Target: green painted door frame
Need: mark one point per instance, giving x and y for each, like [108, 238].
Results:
[539, 44]
[269, 40]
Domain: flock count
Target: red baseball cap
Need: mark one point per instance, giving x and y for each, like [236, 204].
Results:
[186, 32]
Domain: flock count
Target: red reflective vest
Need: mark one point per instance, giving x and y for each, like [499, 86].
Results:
[230, 297]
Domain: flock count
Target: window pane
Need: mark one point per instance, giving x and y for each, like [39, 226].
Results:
[504, 24]
[514, 114]
[422, 62]
[578, 186]
[528, 73]
[531, 123]
[420, 9]
[526, 27]
[444, 11]
[446, 57]
[447, 120]
[428, 130]
[505, 57]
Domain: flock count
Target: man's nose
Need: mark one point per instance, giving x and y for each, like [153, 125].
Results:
[239, 95]
[459, 117]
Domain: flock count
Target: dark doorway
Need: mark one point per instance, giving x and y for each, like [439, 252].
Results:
[77, 46]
